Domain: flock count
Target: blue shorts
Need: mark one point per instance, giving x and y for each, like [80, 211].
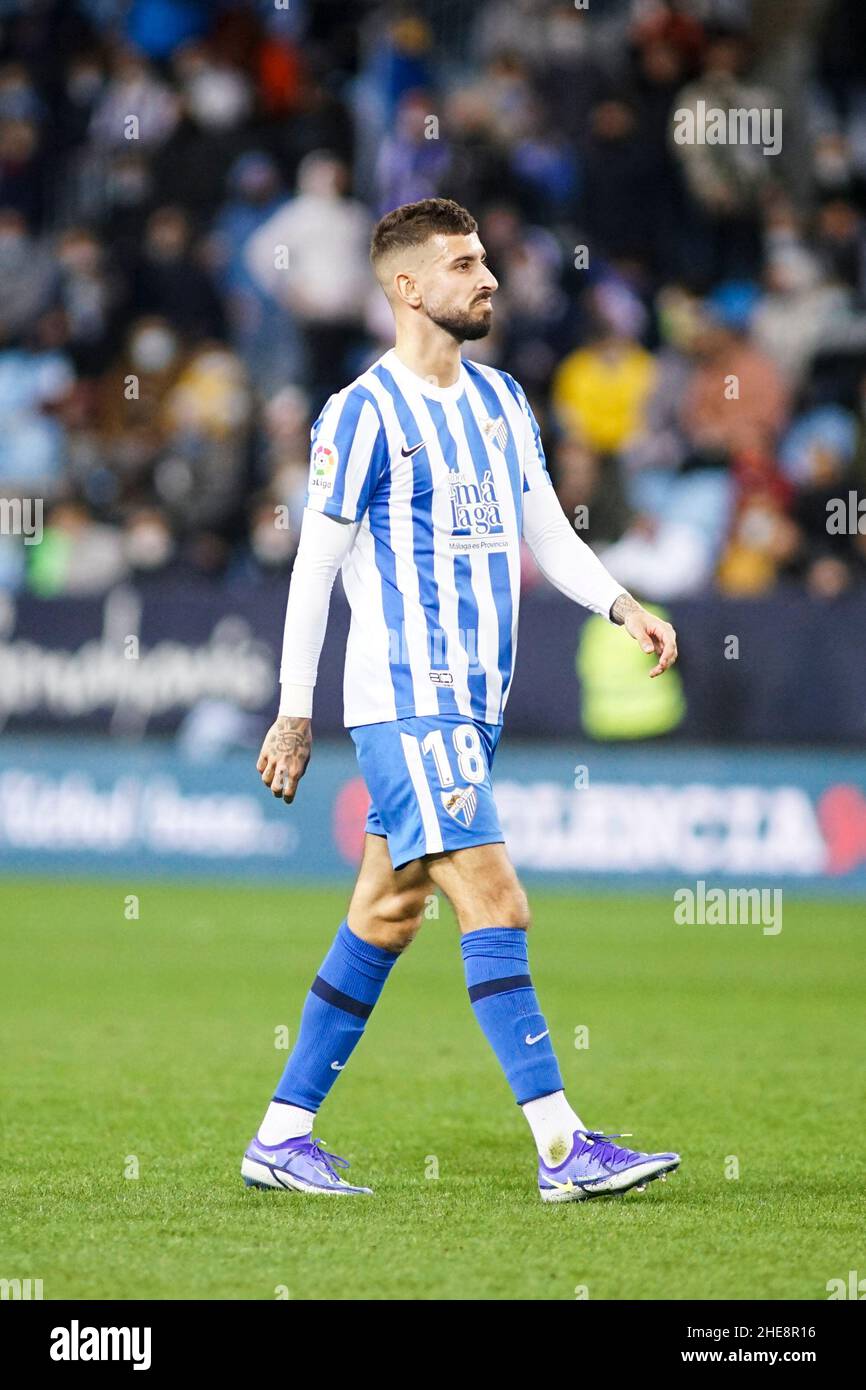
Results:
[429, 782]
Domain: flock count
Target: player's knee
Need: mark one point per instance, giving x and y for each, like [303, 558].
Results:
[396, 918]
[497, 905]
[513, 910]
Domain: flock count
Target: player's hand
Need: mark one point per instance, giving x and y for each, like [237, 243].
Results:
[285, 754]
[651, 633]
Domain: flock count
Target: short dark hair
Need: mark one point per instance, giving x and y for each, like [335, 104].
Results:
[414, 223]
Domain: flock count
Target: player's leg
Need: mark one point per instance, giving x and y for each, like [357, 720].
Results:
[493, 914]
[384, 914]
[430, 778]
[388, 904]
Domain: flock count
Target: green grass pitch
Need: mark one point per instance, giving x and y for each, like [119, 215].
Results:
[152, 1043]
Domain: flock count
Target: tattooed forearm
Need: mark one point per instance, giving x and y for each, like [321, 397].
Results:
[290, 735]
[622, 606]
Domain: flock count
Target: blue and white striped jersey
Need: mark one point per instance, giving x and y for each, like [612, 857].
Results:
[435, 477]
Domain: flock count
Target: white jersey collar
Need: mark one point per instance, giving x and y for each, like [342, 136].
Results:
[406, 377]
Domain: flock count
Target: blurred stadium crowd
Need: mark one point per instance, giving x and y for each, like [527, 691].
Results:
[159, 371]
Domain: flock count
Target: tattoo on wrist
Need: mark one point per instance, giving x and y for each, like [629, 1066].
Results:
[291, 734]
[622, 606]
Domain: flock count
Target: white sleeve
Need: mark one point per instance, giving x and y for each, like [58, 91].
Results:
[323, 546]
[563, 557]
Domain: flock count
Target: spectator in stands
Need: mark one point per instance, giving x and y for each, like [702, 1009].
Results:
[91, 293]
[28, 276]
[160, 26]
[680, 502]
[149, 547]
[286, 449]
[803, 313]
[129, 409]
[312, 257]
[480, 170]
[413, 160]
[662, 443]
[531, 304]
[77, 557]
[135, 105]
[619, 191]
[22, 169]
[217, 103]
[841, 243]
[544, 166]
[171, 280]
[819, 458]
[272, 539]
[728, 181]
[36, 379]
[600, 391]
[261, 329]
[206, 413]
[736, 399]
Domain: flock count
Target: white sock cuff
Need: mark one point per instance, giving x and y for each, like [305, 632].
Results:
[284, 1121]
[553, 1123]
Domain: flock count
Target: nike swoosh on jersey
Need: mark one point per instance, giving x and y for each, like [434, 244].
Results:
[337, 1066]
[407, 453]
[531, 1041]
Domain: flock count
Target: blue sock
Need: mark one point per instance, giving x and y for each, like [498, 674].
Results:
[334, 1015]
[501, 993]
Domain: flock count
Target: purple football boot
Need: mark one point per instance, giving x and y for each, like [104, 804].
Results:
[596, 1166]
[299, 1165]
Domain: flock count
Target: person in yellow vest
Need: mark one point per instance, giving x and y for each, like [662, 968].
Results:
[617, 701]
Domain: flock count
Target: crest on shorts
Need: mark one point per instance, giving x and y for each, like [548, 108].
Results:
[461, 804]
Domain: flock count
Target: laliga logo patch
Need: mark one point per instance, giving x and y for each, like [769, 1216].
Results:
[496, 432]
[323, 467]
[461, 804]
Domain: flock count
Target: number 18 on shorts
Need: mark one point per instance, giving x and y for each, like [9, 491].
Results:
[429, 781]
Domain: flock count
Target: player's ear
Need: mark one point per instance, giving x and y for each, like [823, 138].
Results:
[406, 288]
